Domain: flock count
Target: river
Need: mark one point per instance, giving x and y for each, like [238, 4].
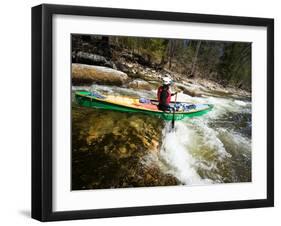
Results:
[115, 149]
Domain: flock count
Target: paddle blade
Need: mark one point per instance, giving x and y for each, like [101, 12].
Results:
[174, 110]
[173, 120]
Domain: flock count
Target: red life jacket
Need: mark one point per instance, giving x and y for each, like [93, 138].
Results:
[164, 92]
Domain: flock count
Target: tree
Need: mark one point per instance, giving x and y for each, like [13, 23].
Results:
[171, 51]
[235, 66]
[193, 68]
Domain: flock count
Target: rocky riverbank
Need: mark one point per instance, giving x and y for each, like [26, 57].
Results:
[137, 76]
[95, 61]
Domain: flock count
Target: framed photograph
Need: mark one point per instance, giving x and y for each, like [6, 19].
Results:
[146, 112]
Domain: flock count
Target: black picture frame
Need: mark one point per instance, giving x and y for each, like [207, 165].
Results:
[42, 108]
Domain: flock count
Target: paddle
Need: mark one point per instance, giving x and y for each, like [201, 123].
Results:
[174, 110]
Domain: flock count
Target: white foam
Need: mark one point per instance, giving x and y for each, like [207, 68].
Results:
[240, 102]
[175, 152]
[210, 138]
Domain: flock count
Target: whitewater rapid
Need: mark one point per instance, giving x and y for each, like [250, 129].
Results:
[210, 148]
[213, 148]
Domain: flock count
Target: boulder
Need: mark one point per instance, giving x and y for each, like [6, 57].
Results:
[91, 59]
[187, 90]
[140, 84]
[84, 74]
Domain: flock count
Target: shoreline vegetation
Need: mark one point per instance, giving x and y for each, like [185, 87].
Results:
[118, 150]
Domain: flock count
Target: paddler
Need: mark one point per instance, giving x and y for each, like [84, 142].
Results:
[164, 95]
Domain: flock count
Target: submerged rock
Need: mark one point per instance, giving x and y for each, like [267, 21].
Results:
[108, 149]
[83, 74]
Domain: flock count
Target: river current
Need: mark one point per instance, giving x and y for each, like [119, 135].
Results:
[213, 148]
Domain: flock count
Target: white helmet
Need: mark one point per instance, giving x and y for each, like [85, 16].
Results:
[167, 81]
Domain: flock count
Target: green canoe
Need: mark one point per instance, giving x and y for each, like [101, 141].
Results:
[127, 104]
